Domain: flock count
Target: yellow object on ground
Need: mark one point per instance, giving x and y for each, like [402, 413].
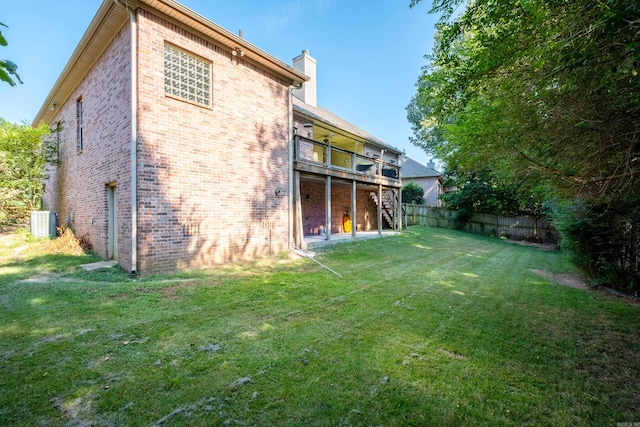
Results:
[346, 223]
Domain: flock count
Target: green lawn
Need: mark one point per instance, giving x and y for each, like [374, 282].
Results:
[432, 327]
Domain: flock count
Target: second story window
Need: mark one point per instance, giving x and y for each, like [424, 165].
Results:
[79, 124]
[186, 76]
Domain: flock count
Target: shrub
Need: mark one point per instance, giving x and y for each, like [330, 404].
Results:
[603, 237]
[462, 218]
[22, 163]
[412, 193]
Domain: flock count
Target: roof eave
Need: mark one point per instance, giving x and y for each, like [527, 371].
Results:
[374, 141]
[106, 23]
[195, 21]
[109, 20]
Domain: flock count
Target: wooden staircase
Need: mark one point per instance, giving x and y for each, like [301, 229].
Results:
[389, 203]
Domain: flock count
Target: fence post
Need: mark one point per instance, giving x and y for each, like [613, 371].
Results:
[413, 212]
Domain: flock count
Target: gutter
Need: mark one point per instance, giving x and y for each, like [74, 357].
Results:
[292, 206]
[134, 133]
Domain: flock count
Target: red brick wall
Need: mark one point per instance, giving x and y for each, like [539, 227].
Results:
[213, 182]
[78, 188]
[313, 207]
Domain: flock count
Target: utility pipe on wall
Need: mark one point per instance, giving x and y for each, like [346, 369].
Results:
[134, 133]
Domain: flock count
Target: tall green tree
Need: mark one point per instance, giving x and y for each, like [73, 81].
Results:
[22, 161]
[545, 93]
[8, 68]
[545, 89]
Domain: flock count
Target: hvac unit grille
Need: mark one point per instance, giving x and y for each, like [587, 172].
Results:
[44, 223]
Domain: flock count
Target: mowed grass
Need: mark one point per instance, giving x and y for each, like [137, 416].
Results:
[432, 327]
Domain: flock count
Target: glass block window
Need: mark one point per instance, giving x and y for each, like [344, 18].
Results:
[186, 76]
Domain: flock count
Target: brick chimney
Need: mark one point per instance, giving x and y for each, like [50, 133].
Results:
[307, 65]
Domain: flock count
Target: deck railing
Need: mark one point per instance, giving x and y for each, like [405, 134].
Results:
[312, 151]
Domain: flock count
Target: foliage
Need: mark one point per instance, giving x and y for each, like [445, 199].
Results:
[603, 237]
[484, 192]
[449, 329]
[545, 93]
[412, 193]
[7, 68]
[21, 170]
[547, 90]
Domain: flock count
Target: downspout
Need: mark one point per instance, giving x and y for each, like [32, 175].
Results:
[292, 206]
[134, 134]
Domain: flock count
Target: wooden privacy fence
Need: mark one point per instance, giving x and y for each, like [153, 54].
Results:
[511, 227]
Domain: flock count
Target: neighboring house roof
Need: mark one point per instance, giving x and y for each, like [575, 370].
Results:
[326, 116]
[108, 21]
[412, 169]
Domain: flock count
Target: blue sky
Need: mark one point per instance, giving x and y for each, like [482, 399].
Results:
[369, 53]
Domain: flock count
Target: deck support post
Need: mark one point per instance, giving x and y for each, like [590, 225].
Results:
[380, 209]
[298, 232]
[398, 193]
[328, 206]
[354, 225]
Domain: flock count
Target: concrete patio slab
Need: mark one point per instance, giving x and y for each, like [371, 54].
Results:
[311, 242]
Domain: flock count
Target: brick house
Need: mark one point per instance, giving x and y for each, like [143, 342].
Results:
[182, 145]
[341, 172]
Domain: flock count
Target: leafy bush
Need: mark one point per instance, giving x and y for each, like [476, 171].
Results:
[484, 192]
[412, 193]
[603, 237]
[21, 170]
[462, 218]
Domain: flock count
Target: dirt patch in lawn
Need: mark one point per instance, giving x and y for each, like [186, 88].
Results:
[577, 281]
[541, 246]
[565, 279]
[172, 292]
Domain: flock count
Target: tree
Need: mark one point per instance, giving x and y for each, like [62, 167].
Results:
[22, 161]
[544, 89]
[484, 192]
[7, 68]
[545, 93]
[412, 193]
